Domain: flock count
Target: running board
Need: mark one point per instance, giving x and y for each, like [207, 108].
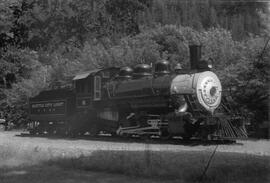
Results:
[138, 130]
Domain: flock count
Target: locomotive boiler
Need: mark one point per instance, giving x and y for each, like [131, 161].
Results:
[145, 101]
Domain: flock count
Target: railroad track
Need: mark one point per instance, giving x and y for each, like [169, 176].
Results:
[87, 143]
[133, 139]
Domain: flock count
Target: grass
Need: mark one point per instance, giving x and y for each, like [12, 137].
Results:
[186, 166]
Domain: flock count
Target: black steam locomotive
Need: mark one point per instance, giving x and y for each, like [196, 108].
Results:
[143, 101]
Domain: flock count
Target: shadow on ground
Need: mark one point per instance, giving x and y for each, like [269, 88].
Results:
[146, 166]
[56, 174]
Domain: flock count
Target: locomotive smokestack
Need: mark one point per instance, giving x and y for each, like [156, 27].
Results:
[195, 56]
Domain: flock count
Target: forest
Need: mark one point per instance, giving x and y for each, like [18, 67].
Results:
[44, 43]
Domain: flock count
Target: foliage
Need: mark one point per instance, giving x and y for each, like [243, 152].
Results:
[48, 24]
[51, 23]
[241, 17]
[248, 78]
[29, 79]
[124, 14]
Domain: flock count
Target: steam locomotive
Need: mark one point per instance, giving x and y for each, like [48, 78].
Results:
[142, 101]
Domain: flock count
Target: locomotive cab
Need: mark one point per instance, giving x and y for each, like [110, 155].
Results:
[89, 94]
[88, 86]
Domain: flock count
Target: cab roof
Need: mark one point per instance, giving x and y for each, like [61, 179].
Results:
[85, 74]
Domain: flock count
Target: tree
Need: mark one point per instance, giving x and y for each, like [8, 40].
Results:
[124, 14]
